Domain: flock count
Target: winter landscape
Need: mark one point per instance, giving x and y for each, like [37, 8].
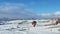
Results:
[29, 16]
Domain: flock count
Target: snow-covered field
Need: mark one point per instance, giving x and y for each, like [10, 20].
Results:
[25, 27]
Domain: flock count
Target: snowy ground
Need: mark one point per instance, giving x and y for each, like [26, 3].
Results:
[26, 28]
